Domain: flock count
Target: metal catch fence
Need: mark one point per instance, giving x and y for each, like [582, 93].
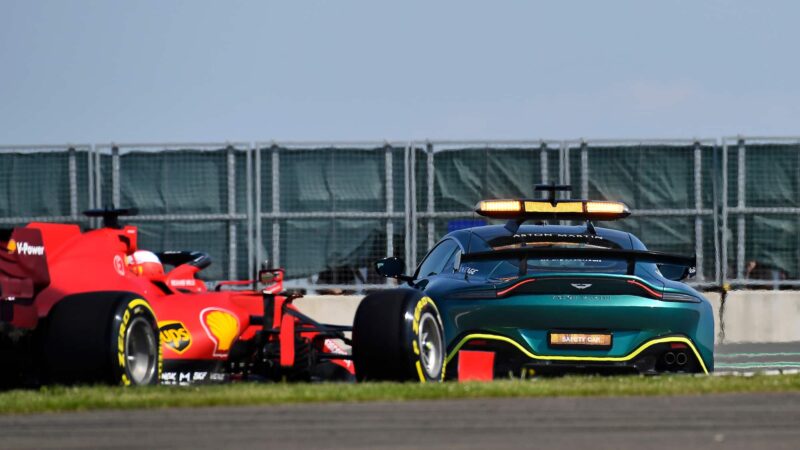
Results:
[761, 211]
[326, 210]
[189, 196]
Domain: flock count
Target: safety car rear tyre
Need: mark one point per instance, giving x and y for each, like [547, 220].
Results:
[108, 338]
[398, 336]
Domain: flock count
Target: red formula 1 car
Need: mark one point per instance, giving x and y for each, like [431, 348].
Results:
[86, 307]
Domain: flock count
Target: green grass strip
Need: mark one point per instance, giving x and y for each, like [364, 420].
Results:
[59, 399]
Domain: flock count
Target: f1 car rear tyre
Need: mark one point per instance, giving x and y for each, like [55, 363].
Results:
[102, 338]
[398, 335]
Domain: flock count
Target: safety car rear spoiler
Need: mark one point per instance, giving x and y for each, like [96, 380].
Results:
[630, 256]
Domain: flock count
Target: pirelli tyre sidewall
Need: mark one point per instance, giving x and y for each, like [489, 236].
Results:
[426, 339]
[135, 340]
[397, 336]
[102, 337]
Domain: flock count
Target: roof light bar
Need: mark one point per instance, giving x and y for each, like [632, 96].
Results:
[605, 208]
[547, 207]
[500, 206]
[522, 210]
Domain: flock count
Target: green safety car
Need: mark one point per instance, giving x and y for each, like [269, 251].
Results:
[521, 299]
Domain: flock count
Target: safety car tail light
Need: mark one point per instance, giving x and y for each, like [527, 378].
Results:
[514, 286]
[645, 288]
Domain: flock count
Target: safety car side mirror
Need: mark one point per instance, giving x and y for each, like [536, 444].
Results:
[392, 267]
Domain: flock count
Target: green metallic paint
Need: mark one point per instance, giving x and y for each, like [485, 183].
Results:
[469, 305]
[629, 356]
[633, 320]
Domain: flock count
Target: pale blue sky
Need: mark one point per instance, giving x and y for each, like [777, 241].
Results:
[100, 71]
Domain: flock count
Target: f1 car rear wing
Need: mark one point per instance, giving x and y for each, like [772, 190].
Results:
[630, 256]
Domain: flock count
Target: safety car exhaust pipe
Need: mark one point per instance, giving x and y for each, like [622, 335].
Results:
[681, 359]
[669, 358]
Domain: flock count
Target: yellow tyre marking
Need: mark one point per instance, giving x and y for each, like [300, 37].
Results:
[121, 338]
[628, 357]
[422, 378]
[142, 302]
[415, 326]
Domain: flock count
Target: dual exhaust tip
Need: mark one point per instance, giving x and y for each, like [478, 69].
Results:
[676, 358]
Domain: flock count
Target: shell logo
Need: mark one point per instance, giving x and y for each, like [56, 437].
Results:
[12, 246]
[222, 327]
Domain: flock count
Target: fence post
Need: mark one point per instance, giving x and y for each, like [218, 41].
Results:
[724, 218]
[407, 224]
[115, 182]
[797, 219]
[389, 180]
[249, 199]
[73, 184]
[430, 209]
[257, 200]
[231, 156]
[98, 180]
[698, 206]
[276, 206]
[543, 163]
[740, 205]
[715, 212]
[90, 180]
[584, 170]
[413, 192]
[565, 175]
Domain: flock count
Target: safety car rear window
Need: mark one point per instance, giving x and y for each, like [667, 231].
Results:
[504, 269]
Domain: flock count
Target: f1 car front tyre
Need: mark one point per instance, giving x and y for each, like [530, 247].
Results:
[398, 336]
[102, 338]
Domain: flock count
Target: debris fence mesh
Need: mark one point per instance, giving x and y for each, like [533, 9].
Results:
[326, 211]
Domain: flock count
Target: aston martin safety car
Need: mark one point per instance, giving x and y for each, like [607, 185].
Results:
[524, 299]
[89, 307]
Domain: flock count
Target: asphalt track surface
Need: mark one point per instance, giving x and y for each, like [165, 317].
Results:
[736, 421]
[700, 422]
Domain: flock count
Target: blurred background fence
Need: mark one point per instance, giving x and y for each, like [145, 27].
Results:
[327, 210]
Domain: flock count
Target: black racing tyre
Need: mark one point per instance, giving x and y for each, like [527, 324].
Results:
[108, 338]
[398, 336]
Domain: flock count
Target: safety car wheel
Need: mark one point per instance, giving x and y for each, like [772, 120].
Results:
[398, 335]
[102, 338]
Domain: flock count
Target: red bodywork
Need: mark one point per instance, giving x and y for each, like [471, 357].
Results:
[200, 329]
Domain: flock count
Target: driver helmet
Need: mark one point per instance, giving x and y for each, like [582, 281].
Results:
[146, 264]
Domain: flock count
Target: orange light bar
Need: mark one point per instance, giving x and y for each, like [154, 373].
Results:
[521, 210]
[605, 208]
[547, 207]
[499, 206]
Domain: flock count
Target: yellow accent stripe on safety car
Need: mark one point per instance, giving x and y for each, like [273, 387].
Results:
[628, 357]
